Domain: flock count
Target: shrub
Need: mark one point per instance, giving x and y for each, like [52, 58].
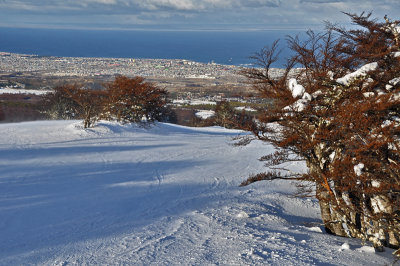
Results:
[134, 100]
[125, 99]
[75, 102]
[59, 105]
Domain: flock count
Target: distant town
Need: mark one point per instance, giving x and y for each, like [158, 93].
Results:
[85, 66]
[189, 83]
[177, 75]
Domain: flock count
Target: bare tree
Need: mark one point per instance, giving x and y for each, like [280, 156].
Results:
[58, 104]
[90, 104]
[339, 112]
[75, 102]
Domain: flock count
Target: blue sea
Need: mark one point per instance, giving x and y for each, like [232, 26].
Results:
[222, 47]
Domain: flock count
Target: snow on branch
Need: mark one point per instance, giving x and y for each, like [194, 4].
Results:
[359, 73]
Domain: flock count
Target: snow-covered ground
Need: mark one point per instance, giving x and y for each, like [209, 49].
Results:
[194, 102]
[8, 90]
[205, 114]
[168, 195]
[248, 109]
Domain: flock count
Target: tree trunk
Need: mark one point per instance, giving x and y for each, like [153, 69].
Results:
[330, 217]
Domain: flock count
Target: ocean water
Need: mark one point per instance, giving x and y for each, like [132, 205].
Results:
[222, 47]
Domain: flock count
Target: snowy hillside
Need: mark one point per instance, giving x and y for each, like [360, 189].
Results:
[167, 195]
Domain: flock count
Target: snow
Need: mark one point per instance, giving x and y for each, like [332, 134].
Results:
[375, 183]
[206, 76]
[298, 106]
[332, 156]
[296, 89]
[361, 72]
[358, 169]
[366, 249]
[307, 97]
[205, 114]
[248, 109]
[392, 83]
[345, 246]
[315, 229]
[165, 195]
[194, 102]
[8, 90]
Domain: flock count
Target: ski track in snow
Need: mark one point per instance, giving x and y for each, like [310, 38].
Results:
[166, 195]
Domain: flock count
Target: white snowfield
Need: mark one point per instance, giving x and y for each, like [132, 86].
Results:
[167, 195]
[8, 90]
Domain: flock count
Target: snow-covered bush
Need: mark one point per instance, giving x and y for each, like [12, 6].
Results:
[340, 112]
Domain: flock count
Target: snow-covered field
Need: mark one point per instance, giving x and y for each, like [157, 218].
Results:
[168, 195]
[205, 114]
[8, 90]
[194, 102]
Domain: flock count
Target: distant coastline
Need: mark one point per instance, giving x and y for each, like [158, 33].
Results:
[221, 47]
[99, 66]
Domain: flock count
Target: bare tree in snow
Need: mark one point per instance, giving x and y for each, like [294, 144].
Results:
[75, 102]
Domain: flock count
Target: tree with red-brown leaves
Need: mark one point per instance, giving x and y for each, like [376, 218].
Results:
[125, 99]
[134, 100]
[90, 104]
[340, 113]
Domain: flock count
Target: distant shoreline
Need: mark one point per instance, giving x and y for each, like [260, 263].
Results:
[106, 66]
[222, 47]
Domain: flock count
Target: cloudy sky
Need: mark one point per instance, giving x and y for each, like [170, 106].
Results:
[186, 14]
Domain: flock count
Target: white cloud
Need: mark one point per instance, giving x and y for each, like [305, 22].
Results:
[201, 5]
[277, 13]
[161, 4]
[321, 1]
[105, 2]
[144, 5]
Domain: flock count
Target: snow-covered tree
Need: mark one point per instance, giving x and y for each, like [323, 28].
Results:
[340, 112]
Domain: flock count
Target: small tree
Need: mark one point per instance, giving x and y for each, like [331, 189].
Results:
[75, 102]
[340, 113]
[134, 100]
[90, 104]
[59, 105]
[224, 114]
[126, 100]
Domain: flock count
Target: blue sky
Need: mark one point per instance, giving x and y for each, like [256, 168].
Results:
[187, 14]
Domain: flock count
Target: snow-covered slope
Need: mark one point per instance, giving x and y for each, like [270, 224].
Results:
[168, 195]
